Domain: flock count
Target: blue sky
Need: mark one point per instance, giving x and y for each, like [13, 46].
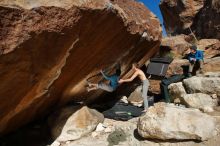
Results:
[153, 5]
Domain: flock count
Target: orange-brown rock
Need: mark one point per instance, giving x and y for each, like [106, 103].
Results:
[178, 46]
[202, 16]
[210, 65]
[211, 47]
[49, 48]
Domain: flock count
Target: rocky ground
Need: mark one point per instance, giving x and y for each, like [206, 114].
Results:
[125, 133]
[52, 47]
[83, 35]
[201, 16]
[193, 119]
[164, 124]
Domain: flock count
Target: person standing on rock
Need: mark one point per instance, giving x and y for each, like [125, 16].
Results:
[137, 72]
[195, 57]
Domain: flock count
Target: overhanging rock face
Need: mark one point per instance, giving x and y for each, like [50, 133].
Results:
[202, 16]
[49, 48]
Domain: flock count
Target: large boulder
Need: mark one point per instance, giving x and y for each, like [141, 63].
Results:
[201, 15]
[71, 124]
[203, 85]
[200, 101]
[164, 122]
[49, 49]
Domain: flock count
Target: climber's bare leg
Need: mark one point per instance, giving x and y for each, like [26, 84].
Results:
[92, 87]
[91, 84]
[102, 86]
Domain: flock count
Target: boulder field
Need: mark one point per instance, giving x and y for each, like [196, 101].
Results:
[49, 48]
[173, 122]
[202, 16]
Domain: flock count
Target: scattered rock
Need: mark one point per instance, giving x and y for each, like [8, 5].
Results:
[133, 138]
[154, 86]
[214, 96]
[212, 74]
[200, 101]
[202, 85]
[122, 133]
[211, 47]
[100, 127]
[124, 99]
[178, 66]
[80, 123]
[135, 97]
[208, 109]
[177, 45]
[212, 65]
[94, 134]
[108, 130]
[166, 121]
[176, 91]
[201, 15]
[197, 100]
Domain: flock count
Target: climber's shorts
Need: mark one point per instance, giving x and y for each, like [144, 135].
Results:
[105, 87]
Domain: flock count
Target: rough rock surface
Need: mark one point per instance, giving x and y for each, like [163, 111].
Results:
[154, 86]
[177, 91]
[67, 127]
[120, 133]
[177, 45]
[211, 47]
[210, 65]
[49, 48]
[165, 122]
[212, 74]
[203, 85]
[201, 15]
[135, 98]
[132, 138]
[200, 101]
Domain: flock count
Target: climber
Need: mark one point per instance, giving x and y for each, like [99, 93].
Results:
[107, 87]
[195, 57]
[145, 83]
